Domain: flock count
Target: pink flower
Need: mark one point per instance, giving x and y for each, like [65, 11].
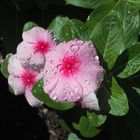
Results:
[21, 80]
[72, 72]
[35, 45]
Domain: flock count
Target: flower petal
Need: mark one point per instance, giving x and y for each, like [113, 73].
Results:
[16, 84]
[14, 66]
[34, 102]
[34, 35]
[66, 90]
[90, 77]
[37, 60]
[90, 101]
[25, 51]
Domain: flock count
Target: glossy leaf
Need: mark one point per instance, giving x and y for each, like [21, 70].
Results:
[65, 29]
[96, 120]
[87, 129]
[135, 3]
[133, 64]
[118, 100]
[38, 92]
[90, 4]
[115, 30]
[137, 90]
[29, 25]
[73, 136]
[4, 66]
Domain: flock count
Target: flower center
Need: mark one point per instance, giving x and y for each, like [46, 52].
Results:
[42, 47]
[70, 65]
[28, 79]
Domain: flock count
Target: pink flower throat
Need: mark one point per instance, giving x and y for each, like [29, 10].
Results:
[70, 65]
[42, 47]
[28, 79]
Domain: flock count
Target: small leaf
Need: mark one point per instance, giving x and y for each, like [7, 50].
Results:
[29, 25]
[4, 66]
[87, 129]
[38, 92]
[64, 124]
[11, 90]
[76, 126]
[118, 100]
[73, 136]
[96, 120]
[137, 90]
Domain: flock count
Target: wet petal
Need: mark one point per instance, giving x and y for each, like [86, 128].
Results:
[34, 35]
[37, 60]
[25, 50]
[66, 90]
[16, 84]
[90, 101]
[34, 102]
[90, 77]
[14, 66]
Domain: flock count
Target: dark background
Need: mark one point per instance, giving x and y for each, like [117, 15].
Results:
[17, 119]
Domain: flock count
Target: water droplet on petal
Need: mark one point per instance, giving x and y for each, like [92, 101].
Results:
[67, 85]
[97, 58]
[90, 44]
[52, 61]
[78, 64]
[65, 98]
[80, 42]
[76, 90]
[59, 66]
[74, 48]
[76, 54]
[54, 97]
[88, 82]
[47, 71]
[62, 71]
[65, 91]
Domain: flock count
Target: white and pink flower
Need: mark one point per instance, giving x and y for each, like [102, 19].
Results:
[35, 45]
[21, 80]
[72, 73]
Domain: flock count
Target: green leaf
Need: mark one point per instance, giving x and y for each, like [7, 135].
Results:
[4, 66]
[87, 129]
[115, 30]
[135, 3]
[65, 29]
[73, 136]
[64, 124]
[38, 92]
[133, 64]
[29, 25]
[11, 90]
[118, 100]
[90, 4]
[137, 90]
[76, 126]
[96, 120]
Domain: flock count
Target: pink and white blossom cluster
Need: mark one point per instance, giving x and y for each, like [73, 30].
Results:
[71, 71]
